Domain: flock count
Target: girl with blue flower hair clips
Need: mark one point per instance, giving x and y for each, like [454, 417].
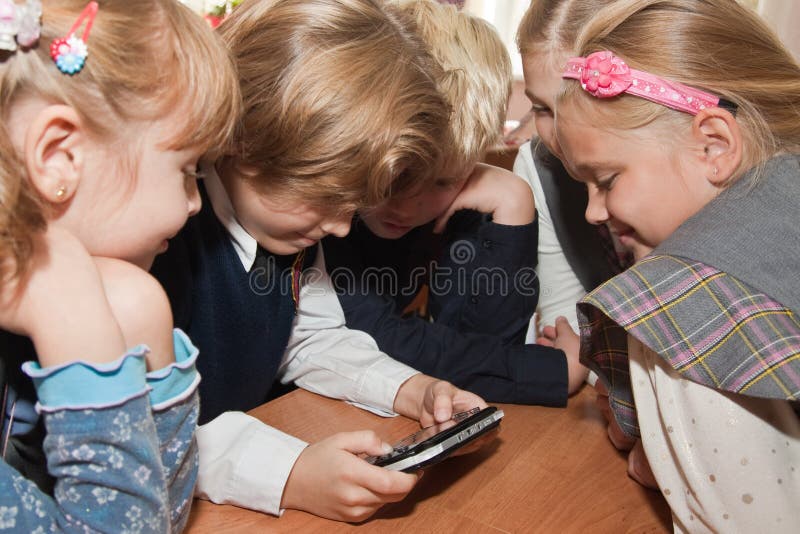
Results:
[97, 171]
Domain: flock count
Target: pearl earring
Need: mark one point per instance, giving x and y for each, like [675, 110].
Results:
[61, 192]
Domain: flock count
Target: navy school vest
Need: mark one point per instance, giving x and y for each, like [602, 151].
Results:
[239, 320]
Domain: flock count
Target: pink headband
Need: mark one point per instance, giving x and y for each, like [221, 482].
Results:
[604, 75]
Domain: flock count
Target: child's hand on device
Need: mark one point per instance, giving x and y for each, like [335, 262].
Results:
[494, 191]
[330, 480]
[429, 400]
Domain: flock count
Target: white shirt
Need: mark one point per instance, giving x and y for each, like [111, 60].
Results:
[242, 460]
[559, 287]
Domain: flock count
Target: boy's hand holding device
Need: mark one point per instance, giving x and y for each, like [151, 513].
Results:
[331, 479]
[429, 400]
[464, 433]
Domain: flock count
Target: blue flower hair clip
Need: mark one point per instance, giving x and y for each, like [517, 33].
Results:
[20, 24]
[70, 52]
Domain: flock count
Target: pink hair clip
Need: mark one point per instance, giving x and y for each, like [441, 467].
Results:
[70, 52]
[19, 24]
[604, 75]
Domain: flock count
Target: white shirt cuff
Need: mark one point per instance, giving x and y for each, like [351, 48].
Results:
[245, 462]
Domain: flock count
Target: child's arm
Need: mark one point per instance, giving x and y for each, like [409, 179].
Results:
[249, 464]
[499, 372]
[496, 192]
[329, 480]
[561, 336]
[175, 403]
[96, 411]
[60, 303]
[326, 478]
[101, 448]
[143, 311]
[485, 280]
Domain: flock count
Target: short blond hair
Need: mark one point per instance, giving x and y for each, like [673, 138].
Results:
[715, 45]
[341, 104]
[148, 59]
[476, 78]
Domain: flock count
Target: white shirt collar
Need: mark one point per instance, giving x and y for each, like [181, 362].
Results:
[244, 244]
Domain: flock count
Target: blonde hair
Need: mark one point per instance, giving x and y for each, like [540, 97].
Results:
[715, 45]
[549, 27]
[341, 104]
[476, 79]
[148, 59]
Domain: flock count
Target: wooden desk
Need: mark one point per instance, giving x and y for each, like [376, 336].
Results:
[549, 470]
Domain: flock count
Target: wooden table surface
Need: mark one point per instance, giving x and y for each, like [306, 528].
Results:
[549, 470]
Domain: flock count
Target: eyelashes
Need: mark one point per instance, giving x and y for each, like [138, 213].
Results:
[607, 183]
[541, 110]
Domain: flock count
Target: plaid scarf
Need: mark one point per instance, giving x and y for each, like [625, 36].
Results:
[712, 329]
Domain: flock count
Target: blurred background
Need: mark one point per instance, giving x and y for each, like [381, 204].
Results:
[782, 15]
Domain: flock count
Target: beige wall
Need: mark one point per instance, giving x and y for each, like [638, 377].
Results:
[784, 17]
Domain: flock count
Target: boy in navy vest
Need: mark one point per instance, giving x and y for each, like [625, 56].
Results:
[340, 108]
[468, 240]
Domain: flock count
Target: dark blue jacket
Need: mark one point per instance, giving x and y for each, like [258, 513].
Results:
[482, 291]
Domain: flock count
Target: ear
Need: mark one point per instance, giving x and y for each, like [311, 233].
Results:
[55, 153]
[720, 139]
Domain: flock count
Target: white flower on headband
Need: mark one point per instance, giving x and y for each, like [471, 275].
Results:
[19, 24]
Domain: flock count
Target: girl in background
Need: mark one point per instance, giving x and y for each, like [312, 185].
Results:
[574, 256]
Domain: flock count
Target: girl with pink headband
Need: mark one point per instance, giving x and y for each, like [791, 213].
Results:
[682, 119]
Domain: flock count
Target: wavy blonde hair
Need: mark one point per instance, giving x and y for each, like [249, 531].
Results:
[341, 104]
[715, 45]
[476, 78]
[148, 59]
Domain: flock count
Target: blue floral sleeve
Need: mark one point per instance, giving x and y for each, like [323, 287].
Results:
[175, 405]
[103, 453]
